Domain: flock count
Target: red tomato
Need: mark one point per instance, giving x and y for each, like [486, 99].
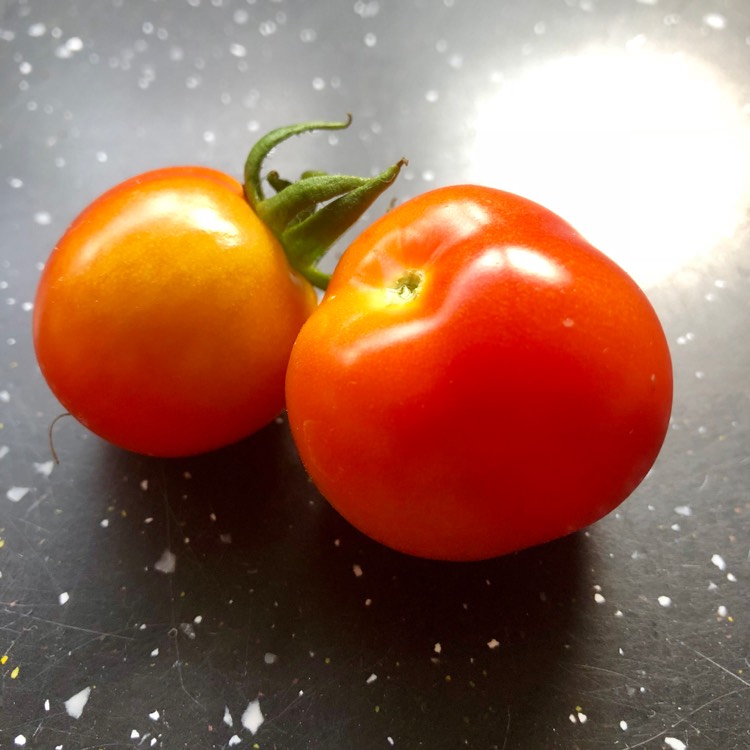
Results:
[166, 313]
[477, 379]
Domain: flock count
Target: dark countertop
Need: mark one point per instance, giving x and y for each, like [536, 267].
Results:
[629, 118]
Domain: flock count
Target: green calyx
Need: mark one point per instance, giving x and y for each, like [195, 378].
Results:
[309, 215]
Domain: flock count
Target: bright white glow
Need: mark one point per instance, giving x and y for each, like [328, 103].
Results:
[646, 154]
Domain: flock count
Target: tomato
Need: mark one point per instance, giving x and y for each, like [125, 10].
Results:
[165, 316]
[477, 379]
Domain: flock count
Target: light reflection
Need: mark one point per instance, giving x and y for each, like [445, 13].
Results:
[646, 154]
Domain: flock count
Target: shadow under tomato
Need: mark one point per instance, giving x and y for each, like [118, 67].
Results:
[462, 646]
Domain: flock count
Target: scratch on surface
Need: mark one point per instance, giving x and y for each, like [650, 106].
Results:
[716, 664]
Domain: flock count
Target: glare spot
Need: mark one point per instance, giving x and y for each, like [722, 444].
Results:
[647, 154]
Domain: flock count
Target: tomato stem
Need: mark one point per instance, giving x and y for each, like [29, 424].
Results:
[309, 215]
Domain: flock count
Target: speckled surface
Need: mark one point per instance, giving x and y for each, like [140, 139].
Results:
[218, 601]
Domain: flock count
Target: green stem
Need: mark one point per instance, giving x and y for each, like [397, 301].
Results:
[309, 215]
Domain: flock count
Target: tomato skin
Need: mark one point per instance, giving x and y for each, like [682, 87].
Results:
[477, 379]
[165, 315]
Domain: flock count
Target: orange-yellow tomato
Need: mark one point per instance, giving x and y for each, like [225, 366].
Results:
[165, 316]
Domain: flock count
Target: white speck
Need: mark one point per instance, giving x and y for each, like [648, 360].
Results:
[43, 218]
[718, 561]
[568, 322]
[75, 704]
[225, 538]
[101, 156]
[155, 652]
[390, 741]
[154, 716]
[308, 35]
[37, 29]
[104, 523]
[572, 718]
[166, 563]
[674, 743]
[684, 510]
[25, 68]
[144, 484]
[44, 468]
[5, 397]
[371, 679]
[599, 599]
[134, 735]
[715, 21]
[198, 619]
[624, 726]
[46, 705]
[675, 527]
[432, 96]
[722, 611]
[582, 717]
[4, 451]
[188, 629]
[357, 569]
[437, 648]
[712, 586]
[428, 175]
[731, 577]
[237, 50]
[318, 84]
[619, 613]
[700, 374]
[648, 2]
[152, 741]
[367, 8]
[252, 717]
[20, 740]
[494, 643]
[270, 658]
[69, 48]
[228, 720]
[234, 740]
[664, 601]
[370, 40]
[16, 494]
[15, 182]
[267, 28]
[63, 598]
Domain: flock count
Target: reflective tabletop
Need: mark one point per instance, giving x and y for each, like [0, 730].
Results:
[218, 601]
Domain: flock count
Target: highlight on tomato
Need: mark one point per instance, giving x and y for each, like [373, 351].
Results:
[477, 379]
[166, 313]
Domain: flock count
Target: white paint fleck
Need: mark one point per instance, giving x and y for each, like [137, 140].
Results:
[432, 96]
[4, 451]
[252, 717]
[715, 21]
[46, 705]
[370, 40]
[624, 726]
[134, 734]
[37, 29]
[722, 611]
[75, 704]
[684, 510]
[63, 598]
[371, 679]
[731, 577]
[270, 658]
[154, 716]
[155, 652]
[598, 598]
[104, 523]
[238, 50]
[188, 629]
[16, 494]
[357, 569]
[69, 48]
[20, 740]
[582, 717]
[5, 397]
[674, 744]
[45, 469]
[572, 718]
[437, 648]
[718, 561]
[494, 643]
[198, 619]
[234, 740]
[228, 720]
[144, 484]
[390, 741]
[619, 613]
[167, 563]
[664, 601]
[43, 218]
